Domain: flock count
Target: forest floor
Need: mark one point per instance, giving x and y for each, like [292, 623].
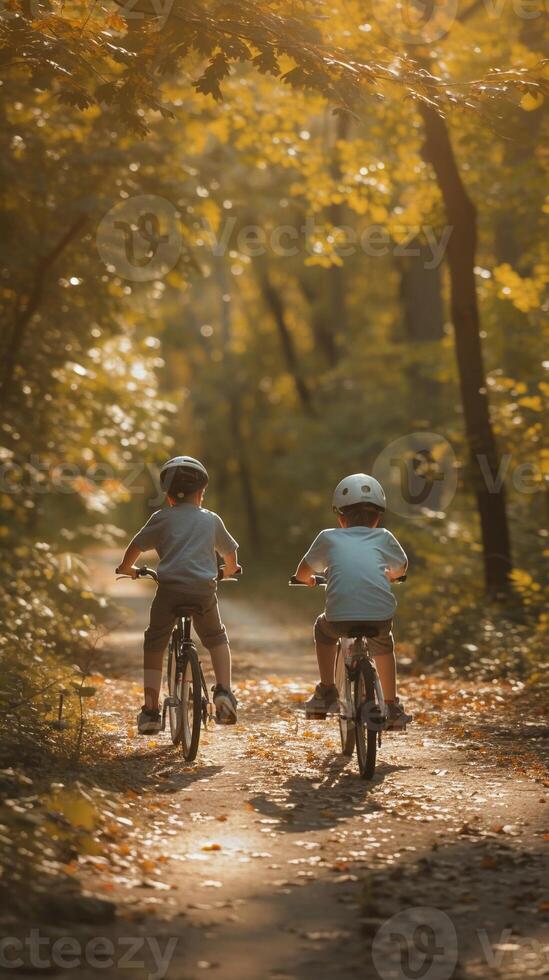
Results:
[270, 858]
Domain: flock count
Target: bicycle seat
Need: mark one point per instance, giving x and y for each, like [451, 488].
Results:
[185, 610]
[362, 629]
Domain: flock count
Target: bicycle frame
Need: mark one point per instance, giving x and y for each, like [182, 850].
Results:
[185, 675]
[351, 651]
[182, 629]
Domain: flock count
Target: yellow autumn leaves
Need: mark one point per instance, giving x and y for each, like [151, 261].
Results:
[525, 292]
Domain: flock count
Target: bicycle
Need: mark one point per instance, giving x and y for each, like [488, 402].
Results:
[362, 712]
[187, 706]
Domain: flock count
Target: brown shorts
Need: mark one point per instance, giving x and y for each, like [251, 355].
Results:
[328, 632]
[206, 619]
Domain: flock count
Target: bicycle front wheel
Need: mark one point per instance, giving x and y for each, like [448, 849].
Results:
[367, 717]
[191, 703]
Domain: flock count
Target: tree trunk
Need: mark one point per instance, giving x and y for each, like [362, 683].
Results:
[235, 417]
[461, 215]
[326, 292]
[421, 296]
[336, 273]
[26, 310]
[274, 303]
[322, 331]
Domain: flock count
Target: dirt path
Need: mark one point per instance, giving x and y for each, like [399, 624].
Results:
[270, 858]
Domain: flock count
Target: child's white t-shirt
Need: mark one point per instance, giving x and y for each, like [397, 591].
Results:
[354, 560]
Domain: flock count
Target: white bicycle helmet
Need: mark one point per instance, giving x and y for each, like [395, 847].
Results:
[359, 488]
[183, 474]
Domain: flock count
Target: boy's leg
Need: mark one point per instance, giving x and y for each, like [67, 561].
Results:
[382, 649]
[152, 678]
[221, 663]
[325, 698]
[213, 635]
[326, 650]
[157, 635]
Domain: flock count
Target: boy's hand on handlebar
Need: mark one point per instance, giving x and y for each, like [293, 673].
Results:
[229, 573]
[131, 570]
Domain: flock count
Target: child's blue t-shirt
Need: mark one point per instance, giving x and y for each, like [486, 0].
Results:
[186, 539]
[354, 560]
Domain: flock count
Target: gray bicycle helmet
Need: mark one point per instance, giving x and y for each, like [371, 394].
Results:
[182, 475]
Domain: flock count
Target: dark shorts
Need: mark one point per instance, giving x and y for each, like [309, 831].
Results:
[328, 632]
[206, 619]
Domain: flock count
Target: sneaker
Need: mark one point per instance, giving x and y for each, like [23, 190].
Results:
[396, 715]
[324, 701]
[225, 705]
[149, 722]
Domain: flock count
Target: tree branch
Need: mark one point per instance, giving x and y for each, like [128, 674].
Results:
[25, 311]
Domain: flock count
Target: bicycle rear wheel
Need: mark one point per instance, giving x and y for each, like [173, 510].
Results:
[366, 713]
[191, 703]
[346, 722]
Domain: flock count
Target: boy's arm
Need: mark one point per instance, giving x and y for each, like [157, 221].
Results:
[396, 558]
[144, 540]
[231, 564]
[227, 547]
[313, 562]
[127, 565]
[304, 573]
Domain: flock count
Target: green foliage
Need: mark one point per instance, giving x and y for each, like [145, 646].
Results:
[48, 622]
[283, 372]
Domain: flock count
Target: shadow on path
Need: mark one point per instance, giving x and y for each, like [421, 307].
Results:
[162, 770]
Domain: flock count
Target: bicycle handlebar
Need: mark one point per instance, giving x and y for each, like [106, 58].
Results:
[144, 571]
[321, 580]
[229, 578]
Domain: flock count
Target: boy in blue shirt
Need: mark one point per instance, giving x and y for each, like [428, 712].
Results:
[360, 560]
[187, 539]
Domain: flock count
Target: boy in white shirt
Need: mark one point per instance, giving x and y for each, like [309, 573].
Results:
[360, 560]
